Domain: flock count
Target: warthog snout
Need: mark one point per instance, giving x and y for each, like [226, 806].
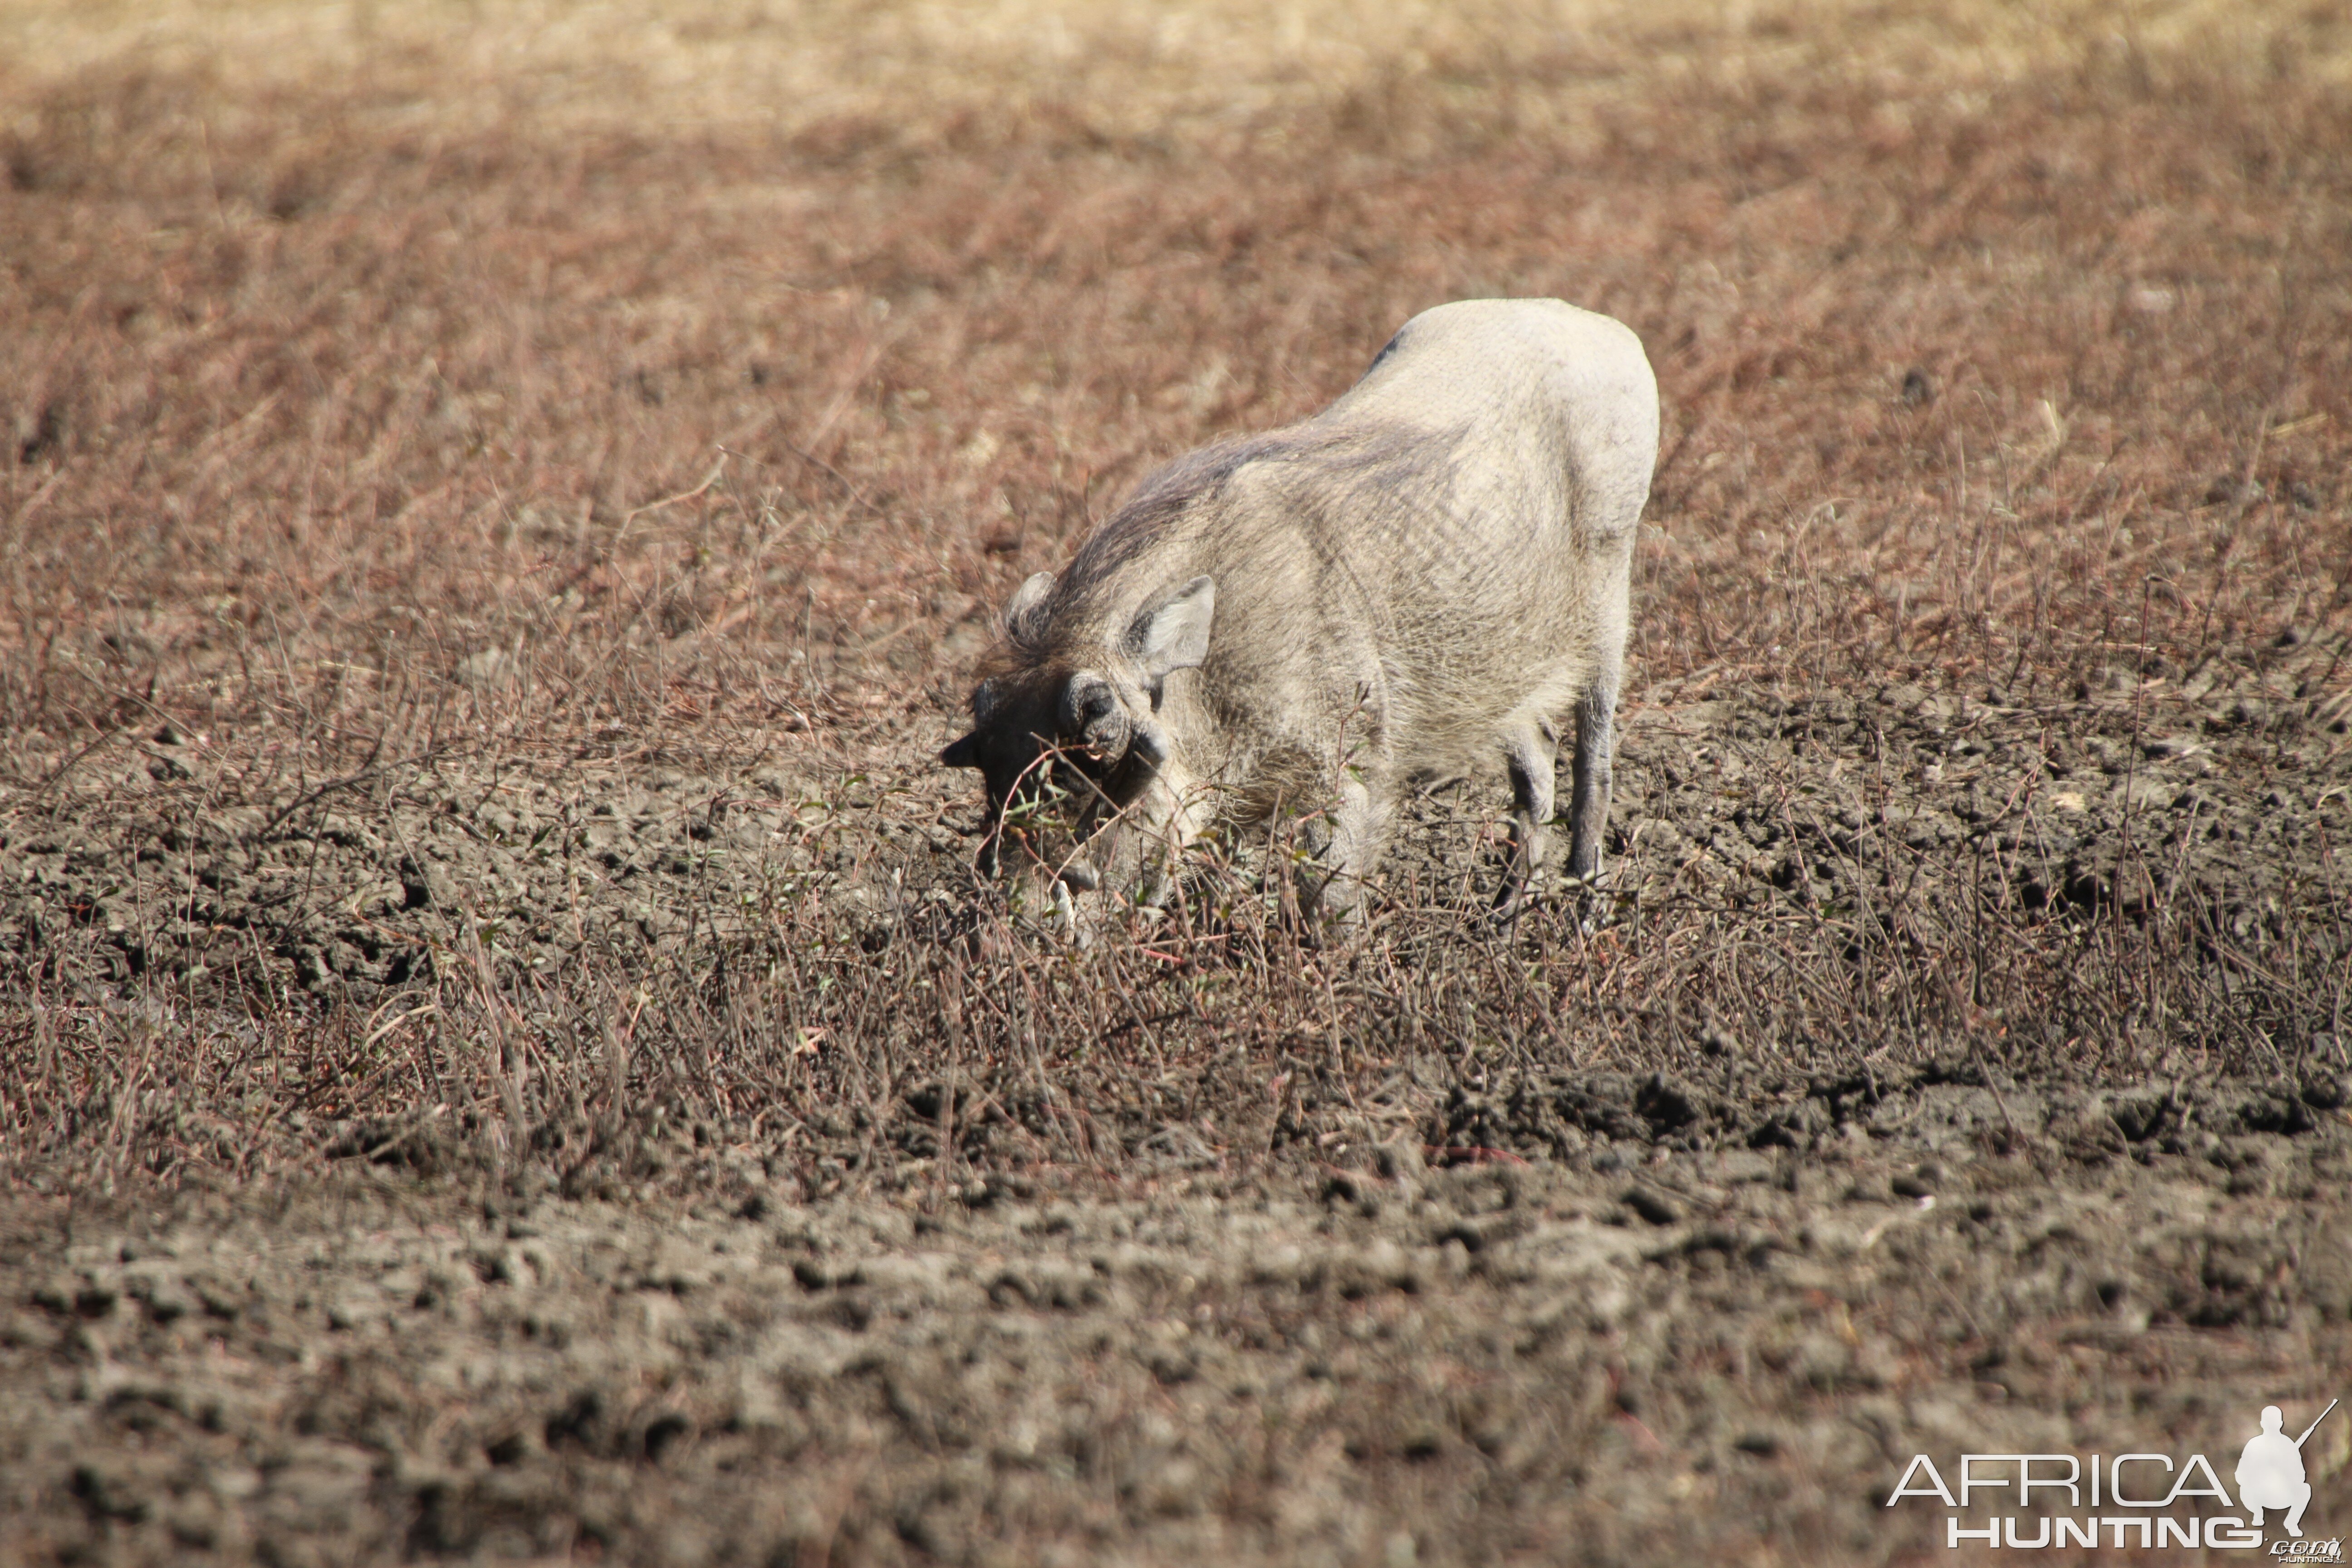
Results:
[1090, 710]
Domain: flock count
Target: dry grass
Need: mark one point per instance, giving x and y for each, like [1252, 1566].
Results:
[707, 380]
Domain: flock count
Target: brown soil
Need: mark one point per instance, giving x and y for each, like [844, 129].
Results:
[502, 1051]
[1410, 1295]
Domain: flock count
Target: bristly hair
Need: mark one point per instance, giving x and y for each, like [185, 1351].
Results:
[1387, 464]
[1003, 657]
[1018, 670]
[1390, 469]
[1387, 469]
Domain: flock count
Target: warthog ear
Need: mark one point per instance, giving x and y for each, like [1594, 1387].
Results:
[1090, 712]
[1173, 634]
[964, 752]
[1021, 611]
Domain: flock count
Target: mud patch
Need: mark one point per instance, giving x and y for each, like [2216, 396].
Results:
[1635, 1342]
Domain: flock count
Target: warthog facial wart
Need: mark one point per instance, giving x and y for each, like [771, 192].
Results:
[1432, 571]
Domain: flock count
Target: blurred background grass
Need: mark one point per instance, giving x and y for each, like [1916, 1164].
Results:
[1188, 67]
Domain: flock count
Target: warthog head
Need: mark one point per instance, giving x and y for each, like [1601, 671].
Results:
[1065, 729]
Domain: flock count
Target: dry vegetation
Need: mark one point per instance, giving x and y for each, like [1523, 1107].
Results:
[653, 409]
[384, 392]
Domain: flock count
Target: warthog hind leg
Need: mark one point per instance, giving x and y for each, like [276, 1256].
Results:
[1531, 750]
[1588, 800]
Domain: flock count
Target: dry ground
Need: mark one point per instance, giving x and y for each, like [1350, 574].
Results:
[502, 1052]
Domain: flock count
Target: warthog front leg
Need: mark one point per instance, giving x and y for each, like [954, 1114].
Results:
[1360, 836]
[1531, 750]
[1173, 812]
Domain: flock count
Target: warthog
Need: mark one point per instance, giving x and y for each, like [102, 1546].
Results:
[1433, 568]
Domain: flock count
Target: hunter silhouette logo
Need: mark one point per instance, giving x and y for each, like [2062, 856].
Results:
[2270, 1472]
